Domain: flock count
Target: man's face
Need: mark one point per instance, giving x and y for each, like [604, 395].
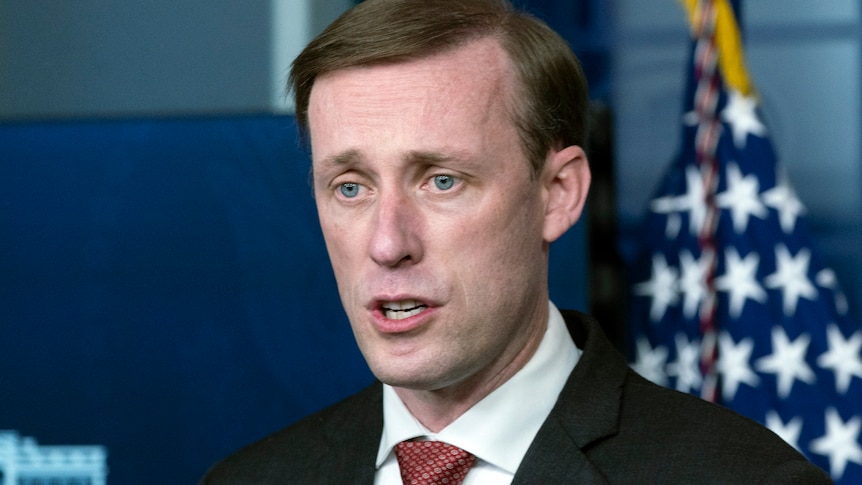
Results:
[432, 220]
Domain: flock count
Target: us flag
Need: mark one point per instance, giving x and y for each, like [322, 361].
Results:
[729, 299]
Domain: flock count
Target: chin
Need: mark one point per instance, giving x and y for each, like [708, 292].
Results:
[399, 378]
[429, 378]
[404, 376]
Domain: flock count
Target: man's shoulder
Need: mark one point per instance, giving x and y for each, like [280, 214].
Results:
[678, 437]
[690, 416]
[297, 449]
[680, 430]
[638, 405]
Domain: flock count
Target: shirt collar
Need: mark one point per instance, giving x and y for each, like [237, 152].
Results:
[500, 428]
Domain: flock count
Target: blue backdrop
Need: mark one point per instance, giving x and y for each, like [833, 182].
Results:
[165, 289]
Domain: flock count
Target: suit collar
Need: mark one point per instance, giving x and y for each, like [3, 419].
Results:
[587, 411]
[352, 439]
[591, 400]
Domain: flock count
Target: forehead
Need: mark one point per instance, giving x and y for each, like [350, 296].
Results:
[469, 87]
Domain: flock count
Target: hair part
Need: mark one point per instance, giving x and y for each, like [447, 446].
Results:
[551, 105]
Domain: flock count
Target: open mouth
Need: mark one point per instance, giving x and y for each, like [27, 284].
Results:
[399, 310]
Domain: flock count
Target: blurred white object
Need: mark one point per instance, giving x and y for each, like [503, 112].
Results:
[23, 462]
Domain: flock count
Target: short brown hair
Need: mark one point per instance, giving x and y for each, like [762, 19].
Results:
[554, 108]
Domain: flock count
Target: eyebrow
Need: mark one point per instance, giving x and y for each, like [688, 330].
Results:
[352, 156]
[435, 158]
[347, 157]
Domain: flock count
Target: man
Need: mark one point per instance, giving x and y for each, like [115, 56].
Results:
[446, 144]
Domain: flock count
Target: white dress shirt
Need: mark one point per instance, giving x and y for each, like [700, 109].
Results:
[498, 429]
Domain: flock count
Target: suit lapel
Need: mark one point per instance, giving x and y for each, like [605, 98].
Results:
[586, 412]
[352, 441]
[554, 458]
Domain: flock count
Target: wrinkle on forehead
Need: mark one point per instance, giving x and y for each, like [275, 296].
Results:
[478, 74]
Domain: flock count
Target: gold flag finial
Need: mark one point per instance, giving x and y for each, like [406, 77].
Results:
[728, 40]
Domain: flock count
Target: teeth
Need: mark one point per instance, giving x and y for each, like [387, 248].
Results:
[402, 314]
[401, 305]
[399, 310]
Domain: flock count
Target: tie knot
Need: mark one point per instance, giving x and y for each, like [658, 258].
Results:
[432, 463]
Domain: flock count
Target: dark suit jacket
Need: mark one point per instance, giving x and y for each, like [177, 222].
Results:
[609, 425]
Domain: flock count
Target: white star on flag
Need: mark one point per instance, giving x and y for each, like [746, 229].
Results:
[791, 277]
[741, 198]
[692, 282]
[661, 287]
[669, 205]
[787, 361]
[789, 431]
[826, 278]
[783, 199]
[843, 357]
[650, 362]
[733, 365]
[686, 366]
[693, 201]
[840, 443]
[740, 280]
[741, 115]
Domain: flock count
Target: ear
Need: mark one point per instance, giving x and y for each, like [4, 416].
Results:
[566, 181]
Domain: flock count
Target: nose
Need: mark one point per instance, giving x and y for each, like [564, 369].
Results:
[396, 237]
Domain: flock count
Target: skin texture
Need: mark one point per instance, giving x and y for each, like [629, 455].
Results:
[425, 198]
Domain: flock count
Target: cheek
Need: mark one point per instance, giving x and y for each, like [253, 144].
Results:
[340, 250]
[514, 233]
[496, 249]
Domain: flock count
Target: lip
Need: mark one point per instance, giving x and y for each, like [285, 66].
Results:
[386, 325]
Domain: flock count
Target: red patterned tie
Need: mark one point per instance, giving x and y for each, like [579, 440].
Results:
[432, 463]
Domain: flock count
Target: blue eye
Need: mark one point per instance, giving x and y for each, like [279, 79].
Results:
[444, 182]
[349, 189]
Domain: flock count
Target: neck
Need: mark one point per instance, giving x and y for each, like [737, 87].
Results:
[437, 409]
